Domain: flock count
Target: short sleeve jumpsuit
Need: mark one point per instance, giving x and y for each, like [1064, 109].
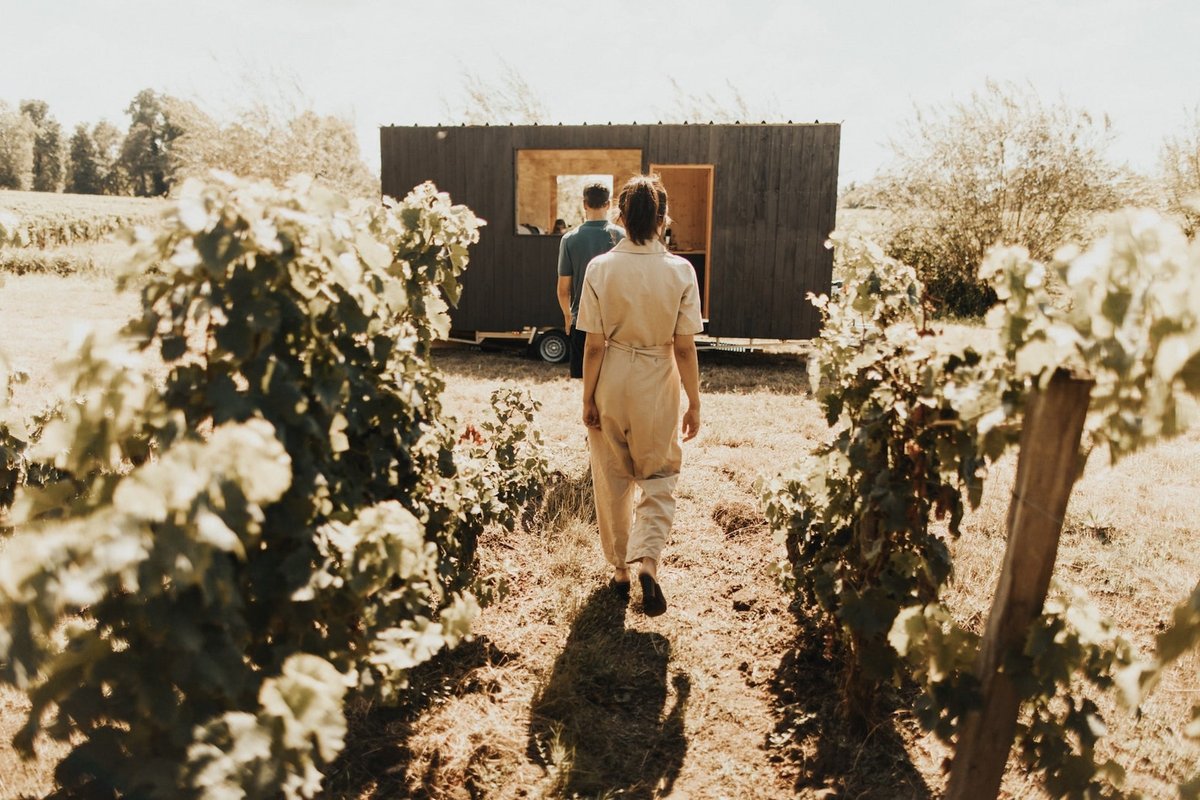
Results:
[639, 297]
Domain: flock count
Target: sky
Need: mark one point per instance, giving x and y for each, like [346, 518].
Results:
[864, 63]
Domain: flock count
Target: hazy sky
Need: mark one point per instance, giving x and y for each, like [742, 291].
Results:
[861, 62]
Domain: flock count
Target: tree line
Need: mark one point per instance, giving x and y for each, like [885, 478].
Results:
[168, 139]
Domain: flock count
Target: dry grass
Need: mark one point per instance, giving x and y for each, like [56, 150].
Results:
[39, 315]
[50, 220]
[584, 697]
[71, 234]
[1129, 540]
[89, 259]
[18, 778]
[729, 694]
[76, 207]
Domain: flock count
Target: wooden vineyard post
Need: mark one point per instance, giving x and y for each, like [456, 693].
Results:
[1046, 471]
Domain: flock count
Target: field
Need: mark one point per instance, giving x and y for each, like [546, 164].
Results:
[67, 234]
[564, 693]
[61, 220]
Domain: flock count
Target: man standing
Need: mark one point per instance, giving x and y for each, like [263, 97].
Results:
[578, 247]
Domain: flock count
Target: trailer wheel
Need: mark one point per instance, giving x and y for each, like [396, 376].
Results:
[553, 347]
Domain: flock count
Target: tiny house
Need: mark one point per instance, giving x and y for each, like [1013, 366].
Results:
[750, 205]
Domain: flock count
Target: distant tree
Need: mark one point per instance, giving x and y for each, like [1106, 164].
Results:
[47, 146]
[83, 167]
[235, 148]
[865, 194]
[499, 100]
[1180, 164]
[17, 136]
[109, 143]
[38, 111]
[49, 158]
[195, 137]
[326, 147]
[262, 145]
[155, 122]
[250, 146]
[143, 154]
[1002, 167]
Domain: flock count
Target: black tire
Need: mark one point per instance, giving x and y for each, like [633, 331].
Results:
[553, 347]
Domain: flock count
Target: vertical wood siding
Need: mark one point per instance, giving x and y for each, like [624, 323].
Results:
[774, 204]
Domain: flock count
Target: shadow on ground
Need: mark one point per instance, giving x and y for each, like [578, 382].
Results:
[600, 725]
[376, 759]
[821, 751]
[720, 371]
[504, 362]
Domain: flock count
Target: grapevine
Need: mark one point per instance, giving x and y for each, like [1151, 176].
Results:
[917, 420]
[282, 520]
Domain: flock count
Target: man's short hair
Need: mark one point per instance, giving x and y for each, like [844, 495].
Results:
[595, 195]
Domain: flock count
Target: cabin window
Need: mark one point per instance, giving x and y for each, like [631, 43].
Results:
[550, 184]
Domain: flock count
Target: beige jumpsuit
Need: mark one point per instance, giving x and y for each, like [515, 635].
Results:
[639, 297]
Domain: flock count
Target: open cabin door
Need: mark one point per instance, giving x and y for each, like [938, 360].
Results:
[689, 211]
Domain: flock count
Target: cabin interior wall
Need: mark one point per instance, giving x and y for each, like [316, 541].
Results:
[687, 206]
[538, 170]
[689, 211]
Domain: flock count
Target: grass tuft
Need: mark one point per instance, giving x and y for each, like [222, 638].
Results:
[737, 517]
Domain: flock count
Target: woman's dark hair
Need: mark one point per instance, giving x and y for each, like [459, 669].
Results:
[643, 204]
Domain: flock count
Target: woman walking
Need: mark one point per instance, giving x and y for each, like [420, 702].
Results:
[640, 307]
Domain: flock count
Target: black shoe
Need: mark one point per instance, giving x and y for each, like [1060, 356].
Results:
[653, 602]
[620, 588]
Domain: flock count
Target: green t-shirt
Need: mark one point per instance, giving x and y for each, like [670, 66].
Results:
[579, 246]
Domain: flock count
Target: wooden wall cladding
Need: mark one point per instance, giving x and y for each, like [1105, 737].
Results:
[774, 205]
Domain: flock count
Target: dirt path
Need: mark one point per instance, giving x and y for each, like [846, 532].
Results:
[729, 695]
[567, 693]
[564, 691]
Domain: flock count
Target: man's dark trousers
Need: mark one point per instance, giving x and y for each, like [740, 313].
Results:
[578, 340]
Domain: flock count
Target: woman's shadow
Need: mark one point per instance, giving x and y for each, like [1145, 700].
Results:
[598, 724]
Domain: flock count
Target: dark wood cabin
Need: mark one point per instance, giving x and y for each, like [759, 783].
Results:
[751, 208]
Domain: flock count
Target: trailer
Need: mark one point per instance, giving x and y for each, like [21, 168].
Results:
[751, 206]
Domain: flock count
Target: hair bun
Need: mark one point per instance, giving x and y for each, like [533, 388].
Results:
[643, 204]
